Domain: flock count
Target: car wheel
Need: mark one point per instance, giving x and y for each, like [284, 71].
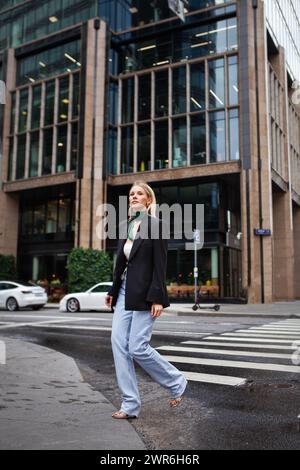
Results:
[12, 304]
[73, 305]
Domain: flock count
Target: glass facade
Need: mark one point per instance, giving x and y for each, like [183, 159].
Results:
[43, 137]
[47, 224]
[219, 264]
[48, 63]
[178, 45]
[29, 20]
[194, 118]
[126, 14]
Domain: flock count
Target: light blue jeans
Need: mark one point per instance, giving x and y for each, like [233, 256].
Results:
[131, 333]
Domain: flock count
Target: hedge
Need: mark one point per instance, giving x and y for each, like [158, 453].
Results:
[87, 267]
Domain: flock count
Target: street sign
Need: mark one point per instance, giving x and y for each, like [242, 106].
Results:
[177, 6]
[263, 232]
[197, 236]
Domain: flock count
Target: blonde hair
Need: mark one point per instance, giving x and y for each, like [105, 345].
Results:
[150, 193]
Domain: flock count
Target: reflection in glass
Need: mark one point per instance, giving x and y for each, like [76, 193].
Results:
[112, 150]
[51, 220]
[27, 220]
[233, 80]
[216, 83]
[161, 93]
[23, 111]
[127, 150]
[49, 102]
[144, 99]
[197, 72]
[74, 146]
[39, 219]
[63, 99]
[13, 112]
[198, 139]
[217, 137]
[47, 151]
[61, 155]
[179, 90]
[21, 149]
[64, 207]
[50, 62]
[75, 104]
[36, 107]
[234, 134]
[113, 102]
[10, 159]
[128, 100]
[144, 147]
[179, 142]
[34, 153]
[161, 156]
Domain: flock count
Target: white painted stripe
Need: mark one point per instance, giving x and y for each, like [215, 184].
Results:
[214, 379]
[276, 328]
[73, 327]
[239, 345]
[234, 364]
[224, 352]
[104, 328]
[237, 337]
[259, 336]
[269, 333]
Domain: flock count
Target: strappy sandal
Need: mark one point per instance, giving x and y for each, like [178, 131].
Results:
[175, 401]
[122, 415]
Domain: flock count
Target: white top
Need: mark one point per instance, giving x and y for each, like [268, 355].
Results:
[129, 243]
[127, 248]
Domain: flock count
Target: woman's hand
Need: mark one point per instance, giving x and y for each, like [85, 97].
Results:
[108, 300]
[156, 310]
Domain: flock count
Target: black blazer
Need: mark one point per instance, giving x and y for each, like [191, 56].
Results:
[146, 268]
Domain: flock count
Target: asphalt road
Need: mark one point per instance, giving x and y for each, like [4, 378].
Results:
[261, 413]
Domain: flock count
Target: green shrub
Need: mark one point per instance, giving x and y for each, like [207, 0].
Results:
[87, 267]
[8, 270]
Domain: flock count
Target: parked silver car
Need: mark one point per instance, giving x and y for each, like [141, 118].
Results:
[92, 299]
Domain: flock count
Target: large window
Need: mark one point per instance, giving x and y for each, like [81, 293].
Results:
[123, 15]
[51, 62]
[183, 115]
[42, 118]
[178, 46]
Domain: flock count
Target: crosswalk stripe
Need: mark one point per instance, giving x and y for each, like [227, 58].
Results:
[269, 333]
[235, 364]
[237, 337]
[262, 336]
[240, 345]
[214, 379]
[275, 328]
[224, 352]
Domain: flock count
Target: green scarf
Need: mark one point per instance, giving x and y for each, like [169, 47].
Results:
[139, 215]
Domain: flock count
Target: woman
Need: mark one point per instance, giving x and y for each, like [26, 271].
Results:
[139, 295]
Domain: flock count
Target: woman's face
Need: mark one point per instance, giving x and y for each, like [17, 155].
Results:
[138, 195]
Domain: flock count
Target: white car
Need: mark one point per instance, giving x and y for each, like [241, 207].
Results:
[18, 294]
[92, 299]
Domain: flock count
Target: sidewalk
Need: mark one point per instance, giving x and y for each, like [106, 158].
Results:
[45, 404]
[276, 309]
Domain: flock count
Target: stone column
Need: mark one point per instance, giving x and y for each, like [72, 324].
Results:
[90, 189]
[9, 203]
[256, 208]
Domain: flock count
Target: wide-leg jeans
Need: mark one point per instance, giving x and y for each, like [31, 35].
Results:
[131, 334]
